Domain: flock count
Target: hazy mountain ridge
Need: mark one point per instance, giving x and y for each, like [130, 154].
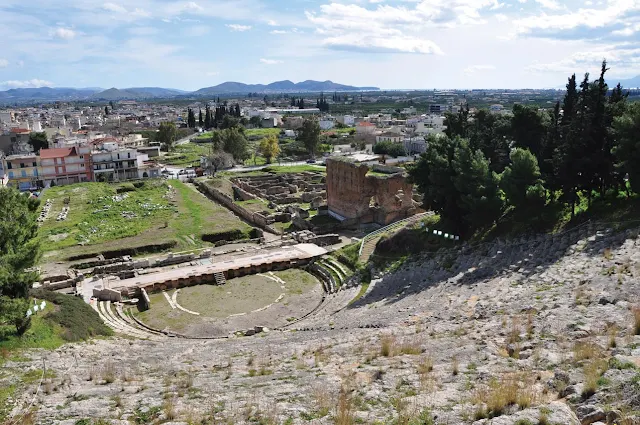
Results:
[229, 87]
[280, 86]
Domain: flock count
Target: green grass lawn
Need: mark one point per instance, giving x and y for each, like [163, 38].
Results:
[240, 295]
[295, 169]
[261, 132]
[99, 214]
[65, 319]
[187, 154]
[159, 212]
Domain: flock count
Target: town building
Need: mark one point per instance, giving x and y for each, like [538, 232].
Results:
[23, 171]
[348, 120]
[326, 124]
[114, 163]
[66, 165]
[389, 136]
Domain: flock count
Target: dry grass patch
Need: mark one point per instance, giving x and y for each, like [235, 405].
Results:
[387, 345]
[169, 408]
[109, 373]
[345, 411]
[323, 401]
[592, 370]
[390, 347]
[586, 350]
[636, 319]
[511, 390]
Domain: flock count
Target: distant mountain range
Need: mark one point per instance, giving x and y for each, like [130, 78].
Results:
[631, 83]
[23, 95]
[280, 87]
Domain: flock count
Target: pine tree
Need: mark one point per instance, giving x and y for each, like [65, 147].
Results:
[549, 148]
[521, 181]
[477, 185]
[616, 107]
[19, 253]
[106, 110]
[200, 119]
[207, 119]
[565, 164]
[627, 131]
[433, 174]
[529, 129]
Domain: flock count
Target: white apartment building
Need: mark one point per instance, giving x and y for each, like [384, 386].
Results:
[326, 124]
[348, 120]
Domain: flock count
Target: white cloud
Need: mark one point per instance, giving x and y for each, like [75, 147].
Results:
[549, 4]
[478, 68]
[277, 32]
[64, 33]
[406, 28]
[621, 59]
[272, 23]
[34, 83]
[112, 7]
[4, 63]
[592, 23]
[398, 44]
[238, 27]
[270, 61]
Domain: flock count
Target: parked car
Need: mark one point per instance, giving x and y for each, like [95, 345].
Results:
[311, 161]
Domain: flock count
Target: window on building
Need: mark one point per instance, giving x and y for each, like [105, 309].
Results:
[10, 174]
[128, 154]
[81, 156]
[24, 173]
[21, 165]
[9, 165]
[34, 164]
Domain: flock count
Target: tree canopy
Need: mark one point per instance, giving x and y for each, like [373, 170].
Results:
[586, 146]
[309, 135]
[234, 142]
[389, 148]
[167, 135]
[269, 148]
[38, 141]
[19, 252]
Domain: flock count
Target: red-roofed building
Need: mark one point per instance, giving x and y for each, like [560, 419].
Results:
[20, 131]
[66, 165]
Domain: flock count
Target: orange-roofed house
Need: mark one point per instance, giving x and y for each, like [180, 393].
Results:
[365, 128]
[66, 165]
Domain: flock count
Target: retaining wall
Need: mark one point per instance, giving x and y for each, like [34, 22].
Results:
[253, 218]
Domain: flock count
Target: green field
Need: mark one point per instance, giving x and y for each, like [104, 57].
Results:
[159, 211]
[250, 133]
[240, 295]
[187, 154]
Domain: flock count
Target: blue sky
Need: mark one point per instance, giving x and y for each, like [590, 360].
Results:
[385, 43]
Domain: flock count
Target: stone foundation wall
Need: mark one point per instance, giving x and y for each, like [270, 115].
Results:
[253, 218]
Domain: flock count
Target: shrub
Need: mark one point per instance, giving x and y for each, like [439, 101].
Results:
[387, 346]
[76, 318]
[126, 187]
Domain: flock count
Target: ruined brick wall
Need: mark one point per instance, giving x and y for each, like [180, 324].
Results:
[369, 199]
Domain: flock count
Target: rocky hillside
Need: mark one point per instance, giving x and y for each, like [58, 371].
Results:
[542, 331]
